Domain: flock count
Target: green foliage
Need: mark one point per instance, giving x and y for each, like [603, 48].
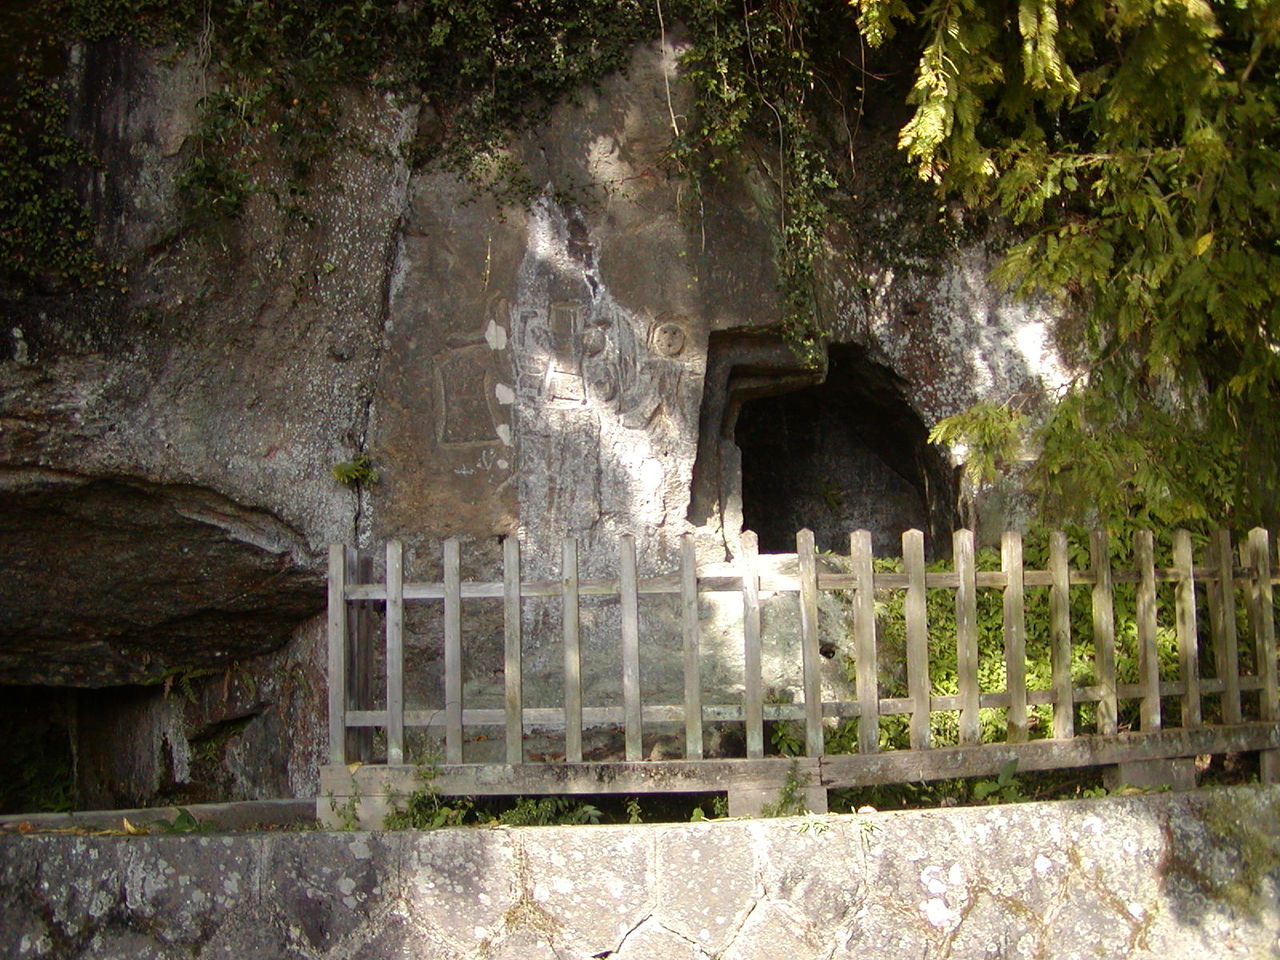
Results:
[790, 801]
[550, 811]
[1003, 789]
[356, 472]
[45, 232]
[424, 809]
[1135, 146]
[184, 822]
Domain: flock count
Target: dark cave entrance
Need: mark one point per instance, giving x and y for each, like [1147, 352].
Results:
[838, 450]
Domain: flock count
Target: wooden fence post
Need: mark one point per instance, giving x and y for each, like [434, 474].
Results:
[1226, 641]
[337, 654]
[629, 602]
[967, 636]
[812, 679]
[917, 617]
[512, 661]
[572, 651]
[753, 685]
[864, 633]
[1104, 631]
[1064, 719]
[692, 653]
[1015, 636]
[1260, 557]
[1148, 655]
[1184, 599]
[395, 652]
[452, 651]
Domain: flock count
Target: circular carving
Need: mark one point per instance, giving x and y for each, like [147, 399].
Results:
[668, 338]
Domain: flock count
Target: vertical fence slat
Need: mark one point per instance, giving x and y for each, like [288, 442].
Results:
[395, 652]
[1260, 560]
[809, 654]
[753, 686]
[512, 660]
[337, 653]
[1104, 631]
[452, 651]
[1226, 645]
[1148, 656]
[1184, 598]
[1015, 635]
[1252, 605]
[967, 635]
[864, 651]
[1064, 720]
[692, 651]
[572, 652]
[629, 600]
[917, 638]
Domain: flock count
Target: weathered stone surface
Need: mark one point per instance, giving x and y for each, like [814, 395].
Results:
[1144, 876]
[535, 371]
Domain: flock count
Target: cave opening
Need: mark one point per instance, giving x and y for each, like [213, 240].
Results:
[835, 450]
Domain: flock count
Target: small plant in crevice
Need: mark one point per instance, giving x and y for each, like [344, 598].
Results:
[790, 801]
[356, 472]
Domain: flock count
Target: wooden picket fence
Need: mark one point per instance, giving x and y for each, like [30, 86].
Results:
[1244, 717]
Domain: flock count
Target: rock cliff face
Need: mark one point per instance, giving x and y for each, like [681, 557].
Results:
[577, 367]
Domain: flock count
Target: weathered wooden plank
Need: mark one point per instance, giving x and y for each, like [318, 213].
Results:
[692, 648]
[1184, 601]
[453, 651]
[630, 647]
[809, 655]
[753, 686]
[572, 651]
[1015, 636]
[1148, 655]
[917, 638]
[1250, 594]
[337, 654]
[1064, 723]
[909, 766]
[864, 648]
[832, 771]
[395, 652]
[667, 776]
[1229, 665]
[1260, 560]
[512, 657]
[1104, 631]
[962, 550]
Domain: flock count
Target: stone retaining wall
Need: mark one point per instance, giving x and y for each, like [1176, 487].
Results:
[1188, 875]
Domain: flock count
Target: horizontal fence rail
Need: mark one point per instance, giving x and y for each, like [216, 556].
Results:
[1191, 613]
